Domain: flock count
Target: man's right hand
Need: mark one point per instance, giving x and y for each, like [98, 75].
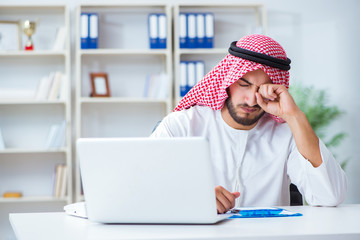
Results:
[225, 200]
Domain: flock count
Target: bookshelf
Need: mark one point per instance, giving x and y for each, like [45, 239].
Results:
[26, 164]
[231, 22]
[124, 54]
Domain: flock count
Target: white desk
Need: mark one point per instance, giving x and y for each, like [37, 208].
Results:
[316, 223]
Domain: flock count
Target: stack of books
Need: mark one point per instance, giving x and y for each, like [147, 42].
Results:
[51, 87]
[56, 136]
[156, 86]
[60, 177]
[196, 30]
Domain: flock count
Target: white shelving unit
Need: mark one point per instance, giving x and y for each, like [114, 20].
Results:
[26, 165]
[124, 54]
[231, 22]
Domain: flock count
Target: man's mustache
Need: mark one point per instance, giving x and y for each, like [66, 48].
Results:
[247, 106]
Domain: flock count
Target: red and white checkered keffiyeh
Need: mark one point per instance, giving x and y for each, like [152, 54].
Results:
[211, 90]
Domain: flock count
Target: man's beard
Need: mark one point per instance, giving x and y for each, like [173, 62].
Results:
[242, 120]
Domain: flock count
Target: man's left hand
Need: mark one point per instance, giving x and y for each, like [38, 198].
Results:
[276, 100]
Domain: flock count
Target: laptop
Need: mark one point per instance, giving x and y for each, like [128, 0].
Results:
[147, 180]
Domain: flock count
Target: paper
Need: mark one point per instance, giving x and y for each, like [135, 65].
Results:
[262, 212]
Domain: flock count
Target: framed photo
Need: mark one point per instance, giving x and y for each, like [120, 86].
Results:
[10, 36]
[99, 85]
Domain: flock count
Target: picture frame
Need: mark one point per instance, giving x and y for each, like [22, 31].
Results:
[99, 85]
[10, 36]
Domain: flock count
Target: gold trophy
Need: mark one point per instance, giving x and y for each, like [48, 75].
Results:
[29, 29]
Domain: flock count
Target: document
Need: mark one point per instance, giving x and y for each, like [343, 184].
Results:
[262, 212]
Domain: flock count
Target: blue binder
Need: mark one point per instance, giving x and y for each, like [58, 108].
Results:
[93, 30]
[191, 26]
[183, 30]
[183, 78]
[200, 30]
[162, 28]
[209, 30]
[84, 30]
[153, 30]
[200, 70]
[191, 75]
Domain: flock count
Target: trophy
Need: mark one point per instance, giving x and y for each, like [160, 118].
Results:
[29, 29]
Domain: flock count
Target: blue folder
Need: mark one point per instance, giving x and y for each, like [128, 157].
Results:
[262, 213]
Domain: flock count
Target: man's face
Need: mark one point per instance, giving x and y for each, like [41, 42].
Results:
[242, 108]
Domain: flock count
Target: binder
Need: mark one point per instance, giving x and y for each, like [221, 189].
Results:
[200, 30]
[84, 30]
[209, 30]
[93, 30]
[200, 70]
[153, 30]
[183, 30]
[191, 75]
[183, 78]
[162, 30]
[191, 25]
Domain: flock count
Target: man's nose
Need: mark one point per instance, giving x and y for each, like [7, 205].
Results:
[251, 98]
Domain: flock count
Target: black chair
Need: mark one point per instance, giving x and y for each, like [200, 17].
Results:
[295, 196]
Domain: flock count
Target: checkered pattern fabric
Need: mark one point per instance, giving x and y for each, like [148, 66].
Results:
[211, 90]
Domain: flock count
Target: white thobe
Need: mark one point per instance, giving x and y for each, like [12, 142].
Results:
[259, 163]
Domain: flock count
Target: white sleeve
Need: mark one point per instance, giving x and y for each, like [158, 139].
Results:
[173, 125]
[325, 185]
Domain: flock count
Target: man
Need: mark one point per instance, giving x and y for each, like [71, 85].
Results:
[260, 140]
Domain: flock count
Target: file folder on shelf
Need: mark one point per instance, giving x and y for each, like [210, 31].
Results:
[162, 30]
[84, 30]
[183, 78]
[183, 30]
[153, 30]
[191, 26]
[200, 30]
[93, 30]
[200, 70]
[191, 75]
[209, 30]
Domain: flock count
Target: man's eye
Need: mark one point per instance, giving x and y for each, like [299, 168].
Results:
[243, 85]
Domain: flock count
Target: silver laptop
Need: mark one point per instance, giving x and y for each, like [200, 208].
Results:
[147, 180]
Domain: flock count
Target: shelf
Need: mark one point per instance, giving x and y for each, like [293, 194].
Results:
[39, 53]
[220, 5]
[122, 5]
[203, 51]
[28, 102]
[32, 199]
[108, 51]
[122, 100]
[26, 151]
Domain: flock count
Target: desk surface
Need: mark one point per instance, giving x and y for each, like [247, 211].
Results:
[316, 223]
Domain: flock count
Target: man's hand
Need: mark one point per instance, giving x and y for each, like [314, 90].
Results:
[225, 200]
[276, 100]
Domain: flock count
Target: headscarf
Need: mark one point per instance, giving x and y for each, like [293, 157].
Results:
[211, 90]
